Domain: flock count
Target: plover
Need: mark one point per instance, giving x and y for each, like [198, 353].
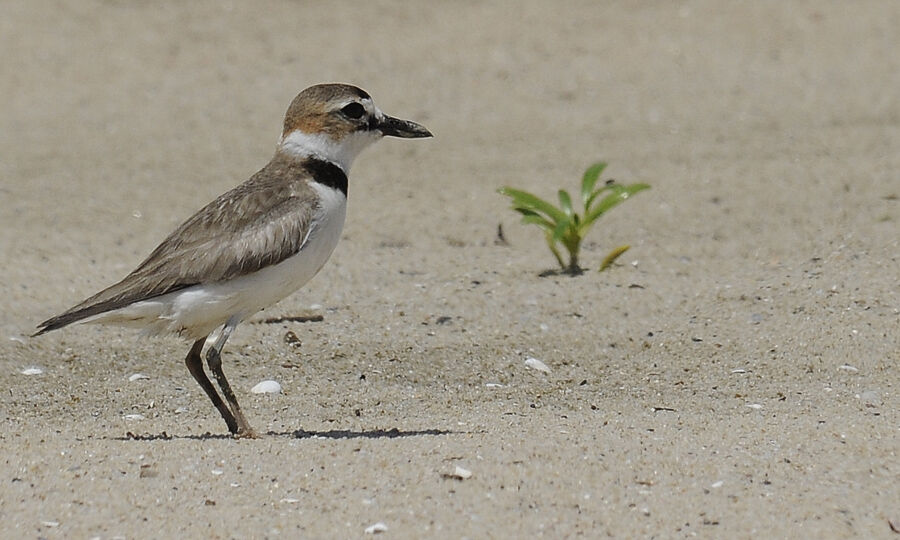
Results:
[254, 245]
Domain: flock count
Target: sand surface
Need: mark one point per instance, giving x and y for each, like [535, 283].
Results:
[734, 377]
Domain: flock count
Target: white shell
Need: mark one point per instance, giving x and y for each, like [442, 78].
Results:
[32, 371]
[537, 365]
[379, 527]
[462, 474]
[138, 377]
[266, 387]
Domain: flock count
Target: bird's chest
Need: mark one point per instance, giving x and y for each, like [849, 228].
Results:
[320, 241]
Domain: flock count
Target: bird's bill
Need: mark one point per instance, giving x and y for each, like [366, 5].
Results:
[395, 127]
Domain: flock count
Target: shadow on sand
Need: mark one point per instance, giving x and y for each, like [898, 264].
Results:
[297, 434]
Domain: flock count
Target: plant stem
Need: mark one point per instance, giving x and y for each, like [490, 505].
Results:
[573, 268]
[552, 245]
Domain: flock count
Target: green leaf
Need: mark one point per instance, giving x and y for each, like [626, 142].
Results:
[565, 202]
[552, 245]
[540, 221]
[619, 195]
[527, 200]
[593, 196]
[560, 230]
[612, 256]
[589, 180]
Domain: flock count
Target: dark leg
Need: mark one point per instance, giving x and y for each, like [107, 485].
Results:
[194, 362]
[214, 360]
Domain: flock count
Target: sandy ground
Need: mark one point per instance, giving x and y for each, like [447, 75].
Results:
[735, 377]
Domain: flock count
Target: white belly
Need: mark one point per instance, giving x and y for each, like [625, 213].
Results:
[196, 311]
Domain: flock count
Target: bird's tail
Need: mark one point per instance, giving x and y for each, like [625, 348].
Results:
[61, 320]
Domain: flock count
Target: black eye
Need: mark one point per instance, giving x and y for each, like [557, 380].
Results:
[354, 111]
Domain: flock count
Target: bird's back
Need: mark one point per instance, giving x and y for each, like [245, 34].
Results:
[256, 225]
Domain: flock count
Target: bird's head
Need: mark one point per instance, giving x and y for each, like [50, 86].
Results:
[335, 122]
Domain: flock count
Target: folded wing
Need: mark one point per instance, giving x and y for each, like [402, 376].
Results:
[257, 224]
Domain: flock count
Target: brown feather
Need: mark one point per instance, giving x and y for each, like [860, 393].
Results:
[259, 223]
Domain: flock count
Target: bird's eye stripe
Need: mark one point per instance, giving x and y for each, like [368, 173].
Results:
[353, 110]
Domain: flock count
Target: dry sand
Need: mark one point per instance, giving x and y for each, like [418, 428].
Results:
[735, 377]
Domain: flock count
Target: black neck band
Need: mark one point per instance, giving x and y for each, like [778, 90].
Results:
[327, 173]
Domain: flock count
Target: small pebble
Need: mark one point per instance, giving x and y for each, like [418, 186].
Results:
[461, 473]
[138, 377]
[266, 387]
[32, 371]
[754, 406]
[848, 367]
[458, 473]
[134, 417]
[870, 397]
[537, 365]
[718, 484]
[493, 385]
[379, 527]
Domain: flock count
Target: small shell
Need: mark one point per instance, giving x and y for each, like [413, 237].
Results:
[134, 417]
[458, 473]
[32, 371]
[537, 365]
[379, 527]
[462, 474]
[138, 377]
[266, 387]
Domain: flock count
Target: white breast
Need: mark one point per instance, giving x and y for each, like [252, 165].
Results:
[269, 285]
[196, 311]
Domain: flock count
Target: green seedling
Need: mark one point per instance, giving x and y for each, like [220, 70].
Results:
[563, 225]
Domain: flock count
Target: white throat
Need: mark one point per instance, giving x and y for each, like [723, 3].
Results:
[341, 153]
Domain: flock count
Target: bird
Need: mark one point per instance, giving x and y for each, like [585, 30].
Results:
[253, 245]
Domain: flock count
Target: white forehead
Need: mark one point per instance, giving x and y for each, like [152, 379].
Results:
[366, 102]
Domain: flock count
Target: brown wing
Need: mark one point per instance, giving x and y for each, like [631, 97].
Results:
[259, 223]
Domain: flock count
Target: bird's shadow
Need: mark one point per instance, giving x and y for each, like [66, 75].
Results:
[392, 433]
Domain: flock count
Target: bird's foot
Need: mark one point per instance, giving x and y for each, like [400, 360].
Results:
[245, 432]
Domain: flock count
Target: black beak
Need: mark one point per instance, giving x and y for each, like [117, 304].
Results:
[394, 127]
